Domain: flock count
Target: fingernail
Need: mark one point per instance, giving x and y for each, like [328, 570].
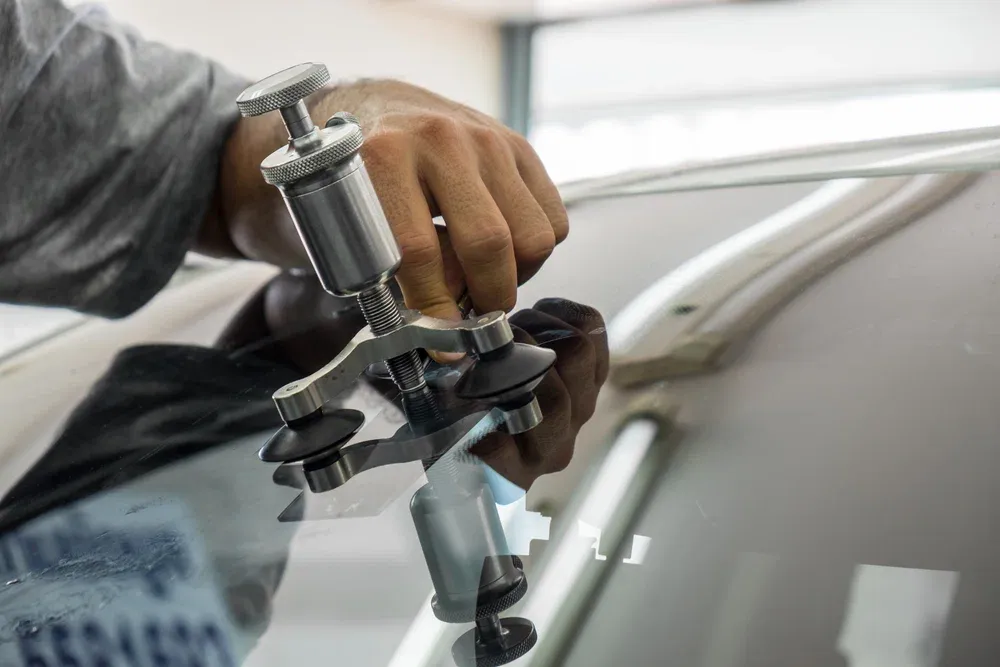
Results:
[453, 315]
[446, 357]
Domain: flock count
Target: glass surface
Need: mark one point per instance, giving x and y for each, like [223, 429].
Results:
[826, 494]
[149, 533]
[832, 498]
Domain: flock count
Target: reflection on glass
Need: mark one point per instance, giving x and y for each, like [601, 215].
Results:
[150, 524]
[896, 616]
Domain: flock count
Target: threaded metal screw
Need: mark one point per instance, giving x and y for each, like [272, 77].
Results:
[382, 314]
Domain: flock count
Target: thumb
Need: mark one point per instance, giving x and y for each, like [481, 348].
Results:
[440, 306]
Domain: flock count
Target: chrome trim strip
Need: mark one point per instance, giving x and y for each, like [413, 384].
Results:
[980, 147]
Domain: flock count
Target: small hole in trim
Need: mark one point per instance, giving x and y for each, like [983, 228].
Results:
[684, 309]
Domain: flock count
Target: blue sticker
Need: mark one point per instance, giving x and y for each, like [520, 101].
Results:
[116, 581]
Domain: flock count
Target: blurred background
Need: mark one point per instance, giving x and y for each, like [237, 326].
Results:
[605, 86]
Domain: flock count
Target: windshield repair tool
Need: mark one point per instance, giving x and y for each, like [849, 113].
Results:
[338, 216]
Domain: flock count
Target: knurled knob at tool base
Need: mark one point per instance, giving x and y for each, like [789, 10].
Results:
[519, 637]
[483, 609]
[283, 89]
[488, 603]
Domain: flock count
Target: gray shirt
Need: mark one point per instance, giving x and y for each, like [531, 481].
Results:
[109, 152]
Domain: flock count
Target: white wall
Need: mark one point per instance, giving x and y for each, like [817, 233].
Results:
[457, 56]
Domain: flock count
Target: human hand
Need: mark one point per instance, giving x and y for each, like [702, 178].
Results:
[427, 156]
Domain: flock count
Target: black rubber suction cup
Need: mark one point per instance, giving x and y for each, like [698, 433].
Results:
[295, 444]
[513, 367]
[498, 642]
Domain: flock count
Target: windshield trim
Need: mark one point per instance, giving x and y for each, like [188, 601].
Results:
[711, 174]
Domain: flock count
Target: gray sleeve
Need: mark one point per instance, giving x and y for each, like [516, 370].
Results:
[109, 153]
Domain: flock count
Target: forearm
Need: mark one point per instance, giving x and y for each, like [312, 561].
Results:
[98, 208]
[245, 210]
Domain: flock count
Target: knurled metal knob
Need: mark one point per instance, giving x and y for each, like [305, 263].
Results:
[311, 149]
[283, 89]
[336, 145]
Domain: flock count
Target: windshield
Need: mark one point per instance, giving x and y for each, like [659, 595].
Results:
[150, 532]
[768, 439]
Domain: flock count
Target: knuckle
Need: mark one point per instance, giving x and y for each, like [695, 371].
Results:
[521, 144]
[489, 244]
[538, 247]
[386, 142]
[488, 139]
[558, 218]
[385, 149]
[440, 128]
[417, 250]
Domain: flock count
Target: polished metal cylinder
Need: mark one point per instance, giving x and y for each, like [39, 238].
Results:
[344, 229]
[297, 120]
[522, 417]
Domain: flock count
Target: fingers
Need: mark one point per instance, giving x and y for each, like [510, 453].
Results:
[477, 228]
[504, 215]
[391, 162]
[544, 191]
[453, 276]
[532, 233]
